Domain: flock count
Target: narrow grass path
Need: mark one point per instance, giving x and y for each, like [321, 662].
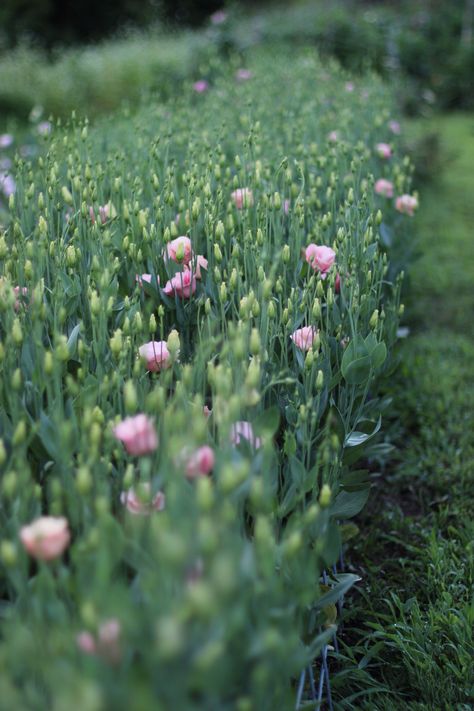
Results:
[414, 622]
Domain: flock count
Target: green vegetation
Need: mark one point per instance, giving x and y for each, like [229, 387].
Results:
[415, 614]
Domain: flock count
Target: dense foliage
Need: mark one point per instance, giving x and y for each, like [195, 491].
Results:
[183, 564]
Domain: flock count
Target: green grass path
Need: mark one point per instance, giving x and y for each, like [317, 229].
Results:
[414, 620]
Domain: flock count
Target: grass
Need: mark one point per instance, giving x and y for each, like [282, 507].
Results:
[416, 613]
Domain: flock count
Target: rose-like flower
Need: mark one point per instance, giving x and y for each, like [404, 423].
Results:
[138, 435]
[105, 212]
[46, 538]
[303, 337]
[200, 86]
[207, 412]
[320, 258]
[244, 430]
[7, 184]
[146, 279]
[183, 284]
[218, 17]
[180, 250]
[86, 643]
[242, 197]
[156, 355]
[349, 86]
[141, 503]
[200, 462]
[384, 150]
[106, 644]
[243, 74]
[196, 264]
[333, 136]
[395, 127]
[44, 128]
[384, 187]
[406, 204]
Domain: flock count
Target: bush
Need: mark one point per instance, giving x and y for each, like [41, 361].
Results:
[181, 588]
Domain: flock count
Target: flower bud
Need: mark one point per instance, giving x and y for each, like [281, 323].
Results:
[325, 496]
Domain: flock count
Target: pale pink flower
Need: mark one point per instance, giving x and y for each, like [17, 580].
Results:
[146, 279]
[199, 262]
[244, 430]
[86, 643]
[46, 538]
[286, 206]
[104, 213]
[207, 412]
[384, 150]
[395, 127]
[180, 250]
[7, 184]
[242, 197]
[320, 257]
[138, 434]
[156, 356]
[106, 644]
[406, 204]
[44, 128]
[243, 74]
[333, 136]
[384, 187]
[303, 337]
[183, 284]
[201, 86]
[6, 140]
[141, 503]
[349, 86]
[217, 18]
[19, 293]
[200, 462]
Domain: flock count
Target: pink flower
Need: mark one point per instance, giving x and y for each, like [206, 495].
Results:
[138, 435]
[183, 284]
[333, 136]
[406, 204]
[286, 206]
[243, 74]
[217, 18]
[242, 197]
[384, 187]
[350, 86]
[384, 150]
[44, 128]
[244, 429]
[156, 356]
[106, 644]
[6, 140]
[104, 213]
[180, 250]
[201, 86]
[207, 412]
[46, 538]
[303, 337]
[146, 278]
[320, 258]
[200, 462]
[199, 262]
[142, 504]
[395, 127]
[7, 184]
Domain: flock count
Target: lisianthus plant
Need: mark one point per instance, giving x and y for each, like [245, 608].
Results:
[196, 314]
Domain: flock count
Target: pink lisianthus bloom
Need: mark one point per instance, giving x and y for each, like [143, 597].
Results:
[395, 127]
[218, 17]
[19, 293]
[242, 197]
[244, 430]
[320, 258]
[384, 187]
[104, 213]
[179, 250]
[286, 206]
[44, 128]
[243, 74]
[141, 503]
[333, 136]
[384, 150]
[349, 86]
[106, 644]
[407, 204]
[6, 140]
[156, 356]
[201, 86]
[197, 263]
[303, 337]
[183, 284]
[138, 435]
[200, 462]
[146, 279]
[206, 411]
[46, 538]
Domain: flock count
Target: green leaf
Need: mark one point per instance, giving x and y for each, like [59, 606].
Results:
[344, 582]
[267, 422]
[72, 340]
[356, 438]
[356, 362]
[349, 503]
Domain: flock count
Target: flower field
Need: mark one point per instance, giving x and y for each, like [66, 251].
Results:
[199, 303]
